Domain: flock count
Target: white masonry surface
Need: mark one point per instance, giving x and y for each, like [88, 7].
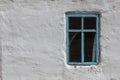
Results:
[33, 40]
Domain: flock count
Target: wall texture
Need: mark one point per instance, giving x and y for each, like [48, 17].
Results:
[33, 40]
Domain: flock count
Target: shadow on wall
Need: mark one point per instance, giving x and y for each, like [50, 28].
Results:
[0, 60]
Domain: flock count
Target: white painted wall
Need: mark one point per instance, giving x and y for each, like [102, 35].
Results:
[32, 40]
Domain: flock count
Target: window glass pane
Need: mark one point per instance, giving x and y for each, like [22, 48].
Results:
[89, 23]
[74, 22]
[89, 46]
[75, 46]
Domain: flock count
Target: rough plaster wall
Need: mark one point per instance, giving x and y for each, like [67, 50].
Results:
[32, 36]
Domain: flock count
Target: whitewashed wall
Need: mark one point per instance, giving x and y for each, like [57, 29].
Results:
[32, 40]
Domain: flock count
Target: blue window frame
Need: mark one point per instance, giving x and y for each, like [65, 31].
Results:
[82, 38]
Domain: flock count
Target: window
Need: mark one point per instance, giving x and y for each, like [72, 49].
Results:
[82, 38]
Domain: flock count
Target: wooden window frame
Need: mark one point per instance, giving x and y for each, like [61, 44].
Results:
[83, 15]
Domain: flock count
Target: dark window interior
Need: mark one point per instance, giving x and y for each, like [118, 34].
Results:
[90, 23]
[75, 46]
[89, 44]
[75, 39]
[74, 22]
